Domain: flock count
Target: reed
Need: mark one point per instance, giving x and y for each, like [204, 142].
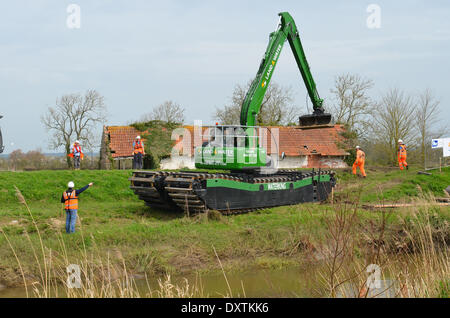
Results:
[414, 262]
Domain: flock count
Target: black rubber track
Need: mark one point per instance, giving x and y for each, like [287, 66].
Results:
[187, 191]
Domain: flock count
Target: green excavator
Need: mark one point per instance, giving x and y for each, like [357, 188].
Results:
[249, 178]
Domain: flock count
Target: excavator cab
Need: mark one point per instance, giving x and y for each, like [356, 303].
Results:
[1, 139]
[230, 147]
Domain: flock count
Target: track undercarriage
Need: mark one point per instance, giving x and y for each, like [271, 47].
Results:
[229, 193]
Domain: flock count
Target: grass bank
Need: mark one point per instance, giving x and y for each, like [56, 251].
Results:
[118, 229]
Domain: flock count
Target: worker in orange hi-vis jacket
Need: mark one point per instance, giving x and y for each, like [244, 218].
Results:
[359, 162]
[138, 153]
[77, 155]
[401, 154]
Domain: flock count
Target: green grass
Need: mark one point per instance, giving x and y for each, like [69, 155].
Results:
[393, 185]
[47, 186]
[114, 219]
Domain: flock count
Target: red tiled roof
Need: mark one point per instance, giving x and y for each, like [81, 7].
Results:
[293, 141]
[121, 140]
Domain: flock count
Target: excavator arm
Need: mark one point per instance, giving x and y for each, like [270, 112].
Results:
[254, 97]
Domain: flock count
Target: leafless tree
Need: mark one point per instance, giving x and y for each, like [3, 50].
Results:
[15, 158]
[426, 119]
[393, 119]
[353, 105]
[276, 107]
[168, 111]
[35, 160]
[74, 118]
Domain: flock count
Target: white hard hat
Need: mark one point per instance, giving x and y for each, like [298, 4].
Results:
[400, 141]
[138, 137]
[71, 184]
[77, 142]
[357, 147]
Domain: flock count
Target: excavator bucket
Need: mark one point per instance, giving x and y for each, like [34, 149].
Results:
[315, 119]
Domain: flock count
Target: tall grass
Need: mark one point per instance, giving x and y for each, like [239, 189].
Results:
[412, 253]
[99, 277]
[413, 260]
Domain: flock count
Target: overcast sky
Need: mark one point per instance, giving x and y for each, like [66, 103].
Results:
[138, 54]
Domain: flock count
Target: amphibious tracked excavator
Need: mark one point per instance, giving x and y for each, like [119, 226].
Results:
[248, 179]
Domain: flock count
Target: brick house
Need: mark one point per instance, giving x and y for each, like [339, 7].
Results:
[312, 147]
[117, 147]
[303, 147]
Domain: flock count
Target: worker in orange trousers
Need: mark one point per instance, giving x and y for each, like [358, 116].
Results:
[401, 154]
[359, 162]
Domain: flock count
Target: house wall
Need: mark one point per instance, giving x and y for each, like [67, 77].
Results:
[333, 162]
[290, 162]
[178, 162]
[317, 161]
[123, 163]
[105, 152]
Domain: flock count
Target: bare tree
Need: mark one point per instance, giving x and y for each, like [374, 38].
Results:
[168, 111]
[74, 118]
[276, 107]
[35, 160]
[426, 117]
[353, 105]
[16, 158]
[393, 120]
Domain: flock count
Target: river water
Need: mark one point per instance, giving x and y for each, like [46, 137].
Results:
[289, 282]
[286, 282]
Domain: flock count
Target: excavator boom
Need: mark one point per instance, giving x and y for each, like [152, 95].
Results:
[287, 30]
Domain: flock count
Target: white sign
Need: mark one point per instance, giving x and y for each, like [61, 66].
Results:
[436, 143]
[446, 148]
[439, 143]
[443, 143]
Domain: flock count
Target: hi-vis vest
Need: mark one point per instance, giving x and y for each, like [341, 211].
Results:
[360, 155]
[71, 201]
[402, 150]
[76, 150]
[138, 147]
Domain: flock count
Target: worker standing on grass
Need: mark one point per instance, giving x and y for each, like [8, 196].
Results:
[70, 200]
[77, 155]
[359, 162]
[138, 153]
[401, 154]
